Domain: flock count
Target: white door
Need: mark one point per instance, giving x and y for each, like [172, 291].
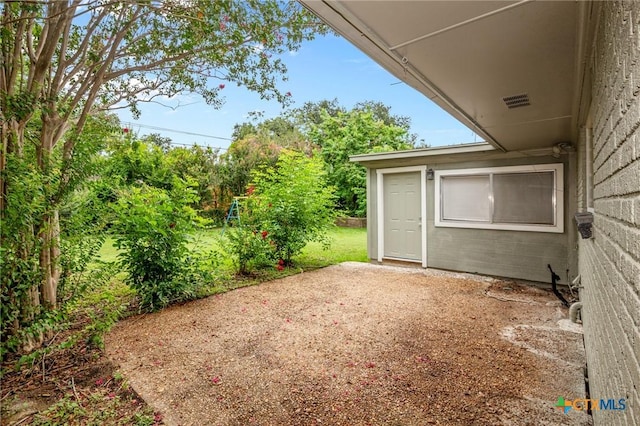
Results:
[402, 216]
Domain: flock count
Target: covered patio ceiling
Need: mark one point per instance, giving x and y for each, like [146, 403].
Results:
[510, 71]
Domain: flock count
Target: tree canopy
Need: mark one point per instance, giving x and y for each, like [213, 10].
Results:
[332, 130]
[64, 61]
[346, 134]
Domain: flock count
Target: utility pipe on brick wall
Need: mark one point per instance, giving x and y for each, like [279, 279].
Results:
[575, 312]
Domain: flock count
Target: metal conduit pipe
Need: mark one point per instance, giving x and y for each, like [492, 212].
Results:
[575, 312]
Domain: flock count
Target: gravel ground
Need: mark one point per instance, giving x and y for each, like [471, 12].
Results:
[358, 344]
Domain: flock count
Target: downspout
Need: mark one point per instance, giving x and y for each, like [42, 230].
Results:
[575, 310]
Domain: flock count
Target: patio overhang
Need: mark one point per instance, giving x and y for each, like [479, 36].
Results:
[510, 71]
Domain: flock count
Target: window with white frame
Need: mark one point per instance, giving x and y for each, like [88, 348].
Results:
[519, 198]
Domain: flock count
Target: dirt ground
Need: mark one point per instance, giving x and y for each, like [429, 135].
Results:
[73, 386]
[359, 344]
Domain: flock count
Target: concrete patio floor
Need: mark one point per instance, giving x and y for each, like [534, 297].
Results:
[359, 344]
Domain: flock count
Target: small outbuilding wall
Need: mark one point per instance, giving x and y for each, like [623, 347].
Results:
[507, 253]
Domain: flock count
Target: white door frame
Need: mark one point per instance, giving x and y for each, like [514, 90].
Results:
[423, 206]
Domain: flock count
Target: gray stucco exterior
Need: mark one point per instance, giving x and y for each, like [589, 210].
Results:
[513, 254]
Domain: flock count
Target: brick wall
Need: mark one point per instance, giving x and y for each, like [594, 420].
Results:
[609, 263]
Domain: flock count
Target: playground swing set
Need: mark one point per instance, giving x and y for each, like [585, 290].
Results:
[234, 213]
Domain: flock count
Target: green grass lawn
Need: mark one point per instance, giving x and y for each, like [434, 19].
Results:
[347, 244]
[113, 296]
[110, 299]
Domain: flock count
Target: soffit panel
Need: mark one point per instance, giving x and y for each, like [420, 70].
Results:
[529, 48]
[527, 136]
[478, 64]
[401, 21]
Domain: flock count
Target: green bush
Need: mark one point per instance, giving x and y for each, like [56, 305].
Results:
[293, 203]
[249, 248]
[153, 227]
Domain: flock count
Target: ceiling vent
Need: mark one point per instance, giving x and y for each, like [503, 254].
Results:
[516, 101]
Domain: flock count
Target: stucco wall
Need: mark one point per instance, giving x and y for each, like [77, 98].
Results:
[513, 254]
[609, 263]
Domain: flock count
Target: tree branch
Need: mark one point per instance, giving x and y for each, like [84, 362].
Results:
[100, 74]
[14, 65]
[90, 30]
[47, 47]
[63, 46]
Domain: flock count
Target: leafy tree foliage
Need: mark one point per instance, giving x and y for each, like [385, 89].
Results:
[153, 161]
[201, 166]
[244, 156]
[382, 112]
[293, 203]
[242, 130]
[64, 61]
[162, 142]
[327, 127]
[25, 233]
[284, 131]
[346, 134]
[311, 113]
[152, 229]
[130, 161]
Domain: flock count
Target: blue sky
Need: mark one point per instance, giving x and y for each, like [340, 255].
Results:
[326, 68]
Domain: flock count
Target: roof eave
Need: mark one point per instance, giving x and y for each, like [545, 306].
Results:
[423, 152]
[350, 28]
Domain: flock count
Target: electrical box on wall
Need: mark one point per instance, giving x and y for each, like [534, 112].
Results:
[584, 221]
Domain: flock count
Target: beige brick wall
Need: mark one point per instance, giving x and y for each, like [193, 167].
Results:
[609, 263]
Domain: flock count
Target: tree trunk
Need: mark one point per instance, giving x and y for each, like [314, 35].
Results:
[42, 296]
[50, 230]
[32, 342]
[49, 256]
